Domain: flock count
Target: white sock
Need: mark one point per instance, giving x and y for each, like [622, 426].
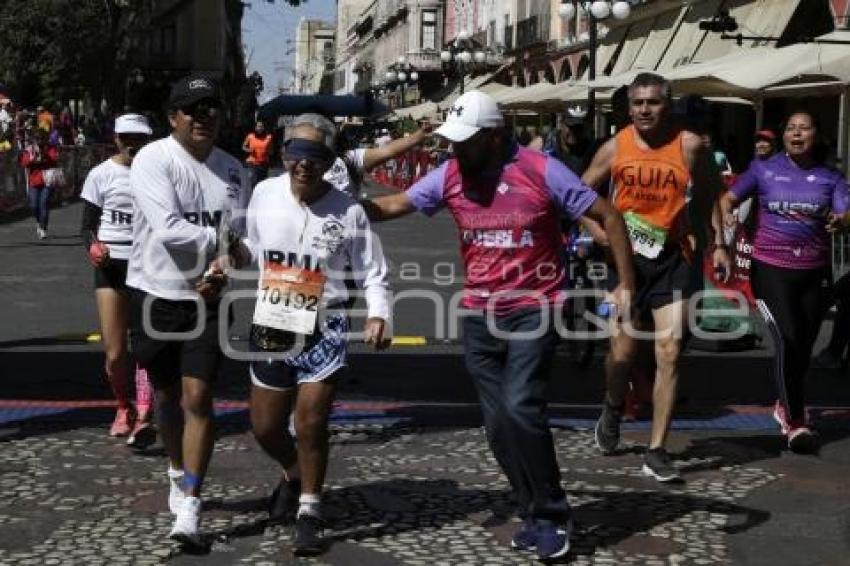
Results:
[174, 472]
[308, 504]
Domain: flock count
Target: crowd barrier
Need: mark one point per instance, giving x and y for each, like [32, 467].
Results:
[403, 172]
[75, 162]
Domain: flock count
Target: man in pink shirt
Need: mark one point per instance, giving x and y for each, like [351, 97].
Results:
[507, 202]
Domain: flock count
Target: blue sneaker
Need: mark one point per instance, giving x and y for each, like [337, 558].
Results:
[553, 540]
[526, 537]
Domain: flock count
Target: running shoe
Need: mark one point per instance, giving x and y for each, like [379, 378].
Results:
[801, 440]
[657, 464]
[283, 503]
[186, 523]
[526, 537]
[175, 490]
[607, 430]
[41, 233]
[781, 417]
[125, 418]
[553, 539]
[309, 536]
[143, 435]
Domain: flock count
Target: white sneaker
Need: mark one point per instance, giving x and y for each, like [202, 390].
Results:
[185, 528]
[175, 491]
[42, 233]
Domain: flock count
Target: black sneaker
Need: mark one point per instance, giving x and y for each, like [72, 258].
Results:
[607, 430]
[283, 504]
[309, 536]
[657, 463]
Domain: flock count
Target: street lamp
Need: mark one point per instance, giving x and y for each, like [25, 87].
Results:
[597, 10]
[463, 55]
[400, 74]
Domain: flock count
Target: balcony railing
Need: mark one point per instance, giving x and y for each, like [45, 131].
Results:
[532, 31]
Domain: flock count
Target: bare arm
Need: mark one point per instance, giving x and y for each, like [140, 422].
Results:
[597, 173]
[610, 220]
[374, 156]
[388, 207]
[707, 186]
[727, 204]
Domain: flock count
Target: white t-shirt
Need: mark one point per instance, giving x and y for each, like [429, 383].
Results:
[338, 175]
[178, 206]
[108, 187]
[329, 234]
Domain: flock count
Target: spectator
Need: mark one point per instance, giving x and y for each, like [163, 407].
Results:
[524, 137]
[719, 156]
[765, 144]
[258, 145]
[36, 158]
[6, 117]
[44, 119]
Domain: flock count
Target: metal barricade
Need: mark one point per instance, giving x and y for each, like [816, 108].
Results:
[840, 255]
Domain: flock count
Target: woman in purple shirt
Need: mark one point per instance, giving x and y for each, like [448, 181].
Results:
[800, 202]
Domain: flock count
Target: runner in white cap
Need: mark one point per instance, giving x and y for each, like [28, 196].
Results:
[107, 231]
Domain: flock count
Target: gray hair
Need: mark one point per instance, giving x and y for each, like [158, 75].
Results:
[652, 79]
[319, 122]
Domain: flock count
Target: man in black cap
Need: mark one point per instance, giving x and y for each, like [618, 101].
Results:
[184, 190]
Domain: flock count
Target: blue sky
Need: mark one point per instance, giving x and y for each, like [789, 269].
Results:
[265, 30]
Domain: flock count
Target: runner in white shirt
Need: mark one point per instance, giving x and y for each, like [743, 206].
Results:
[107, 232]
[303, 234]
[346, 173]
[184, 189]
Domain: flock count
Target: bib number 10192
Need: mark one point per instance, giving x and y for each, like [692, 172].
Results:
[288, 299]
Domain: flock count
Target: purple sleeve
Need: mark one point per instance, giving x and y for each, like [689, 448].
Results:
[746, 182]
[570, 195]
[427, 193]
[840, 195]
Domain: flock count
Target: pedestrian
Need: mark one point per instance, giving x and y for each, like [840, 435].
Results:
[507, 202]
[184, 189]
[107, 232]
[258, 146]
[800, 201]
[568, 143]
[304, 234]
[654, 167]
[765, 144]
[718, 154]
[346, 173]
[37, 158]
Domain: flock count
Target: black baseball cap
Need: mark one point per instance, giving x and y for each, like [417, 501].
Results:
[193, 88]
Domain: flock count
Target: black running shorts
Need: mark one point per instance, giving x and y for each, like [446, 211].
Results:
[167, 360]
[113, 275]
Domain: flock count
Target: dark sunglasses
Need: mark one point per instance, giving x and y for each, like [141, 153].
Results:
[202, 109]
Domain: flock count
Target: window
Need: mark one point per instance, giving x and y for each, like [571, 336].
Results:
[429, 29]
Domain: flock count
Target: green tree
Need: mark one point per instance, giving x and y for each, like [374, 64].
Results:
[53, 50]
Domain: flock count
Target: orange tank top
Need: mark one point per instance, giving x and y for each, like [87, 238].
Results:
[651, 189]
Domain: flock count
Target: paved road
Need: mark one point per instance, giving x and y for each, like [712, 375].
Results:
[411, 480]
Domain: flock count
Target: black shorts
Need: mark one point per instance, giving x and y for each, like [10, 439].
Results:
[113, 275]
[659, 281]
[167, 360]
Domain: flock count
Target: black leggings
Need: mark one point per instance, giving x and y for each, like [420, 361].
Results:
[792, 303]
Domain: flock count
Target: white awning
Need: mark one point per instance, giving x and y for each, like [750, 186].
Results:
[755, 73]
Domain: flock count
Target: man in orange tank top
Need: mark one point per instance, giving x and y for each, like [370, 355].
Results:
[657, 171]
[258, 146]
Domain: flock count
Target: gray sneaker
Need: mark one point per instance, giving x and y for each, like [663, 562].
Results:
[607, 430]
[657, 464]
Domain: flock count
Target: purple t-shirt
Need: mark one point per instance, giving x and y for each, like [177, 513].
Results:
[510, 235]
[793, 205]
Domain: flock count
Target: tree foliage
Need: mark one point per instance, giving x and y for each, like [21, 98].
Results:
[51, 50]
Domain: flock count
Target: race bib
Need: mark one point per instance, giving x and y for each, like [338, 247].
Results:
[647, 239]
[288, 299]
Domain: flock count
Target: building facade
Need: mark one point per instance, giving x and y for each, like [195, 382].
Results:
[315, 53]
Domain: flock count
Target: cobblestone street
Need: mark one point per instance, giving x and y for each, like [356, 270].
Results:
[416, 494]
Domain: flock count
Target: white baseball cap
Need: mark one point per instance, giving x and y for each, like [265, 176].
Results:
[132, 124]
[470, 113]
